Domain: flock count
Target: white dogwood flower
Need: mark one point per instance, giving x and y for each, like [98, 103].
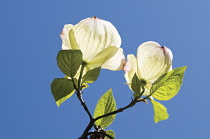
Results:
[98, 40]
[152, 61]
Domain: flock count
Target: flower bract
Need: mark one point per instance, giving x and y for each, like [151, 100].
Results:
[152, 61]
[98, 40]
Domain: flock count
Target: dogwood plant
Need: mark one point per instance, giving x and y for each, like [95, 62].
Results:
[93, 44]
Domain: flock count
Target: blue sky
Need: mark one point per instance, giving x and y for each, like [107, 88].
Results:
[29, 44]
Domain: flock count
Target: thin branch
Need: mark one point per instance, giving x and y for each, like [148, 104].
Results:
[90, 125]
[132, 103]
[92, 121]
[79, 96]
[79, 93]
[101, 134]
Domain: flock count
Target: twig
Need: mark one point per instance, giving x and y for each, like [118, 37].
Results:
[90, 133]
[91, 123]
[79, 96]
[132, 103]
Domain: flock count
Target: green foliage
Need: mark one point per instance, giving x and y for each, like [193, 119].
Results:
[91, 75]
[106, 104]
[136, 84]
[160, 111]
[111, 133]
[69, 61]
[168, 85]
[62, 89]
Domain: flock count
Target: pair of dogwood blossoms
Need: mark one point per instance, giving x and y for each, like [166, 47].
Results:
[99, 42]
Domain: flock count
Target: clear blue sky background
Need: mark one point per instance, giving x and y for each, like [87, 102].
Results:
[30, 41]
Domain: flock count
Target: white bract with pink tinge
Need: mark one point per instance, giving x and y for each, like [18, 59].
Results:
[98, 40]
[152, 61]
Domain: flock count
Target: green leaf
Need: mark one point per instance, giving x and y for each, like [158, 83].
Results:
[106, 104]
[160, 111]
[62, 89]
[91, 75]
[168, 85]
[69, 61]
[111, 133]
[136, 84]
